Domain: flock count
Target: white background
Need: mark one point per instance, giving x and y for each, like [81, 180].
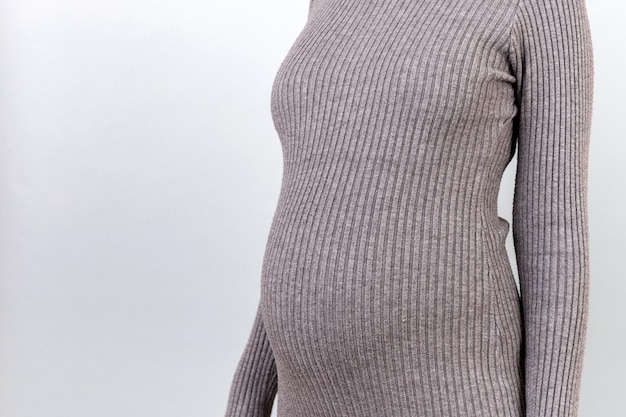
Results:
[139, 171]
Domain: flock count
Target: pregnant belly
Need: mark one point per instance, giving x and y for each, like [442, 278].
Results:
[332, 306]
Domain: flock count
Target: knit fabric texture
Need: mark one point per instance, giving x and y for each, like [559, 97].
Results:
[386, 289]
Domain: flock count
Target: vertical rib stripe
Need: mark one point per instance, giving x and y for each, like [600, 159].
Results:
[386, 288]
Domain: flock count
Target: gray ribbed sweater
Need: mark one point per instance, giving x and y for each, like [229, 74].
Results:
[386, 290]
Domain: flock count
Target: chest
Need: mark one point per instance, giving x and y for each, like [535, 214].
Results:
[395, 64]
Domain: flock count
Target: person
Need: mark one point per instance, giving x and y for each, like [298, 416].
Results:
[386, 289]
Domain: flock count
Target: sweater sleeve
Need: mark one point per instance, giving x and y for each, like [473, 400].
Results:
[551, 58]
[255, 381]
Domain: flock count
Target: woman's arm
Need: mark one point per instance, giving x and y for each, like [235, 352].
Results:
[551, 54]
[255, 382]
